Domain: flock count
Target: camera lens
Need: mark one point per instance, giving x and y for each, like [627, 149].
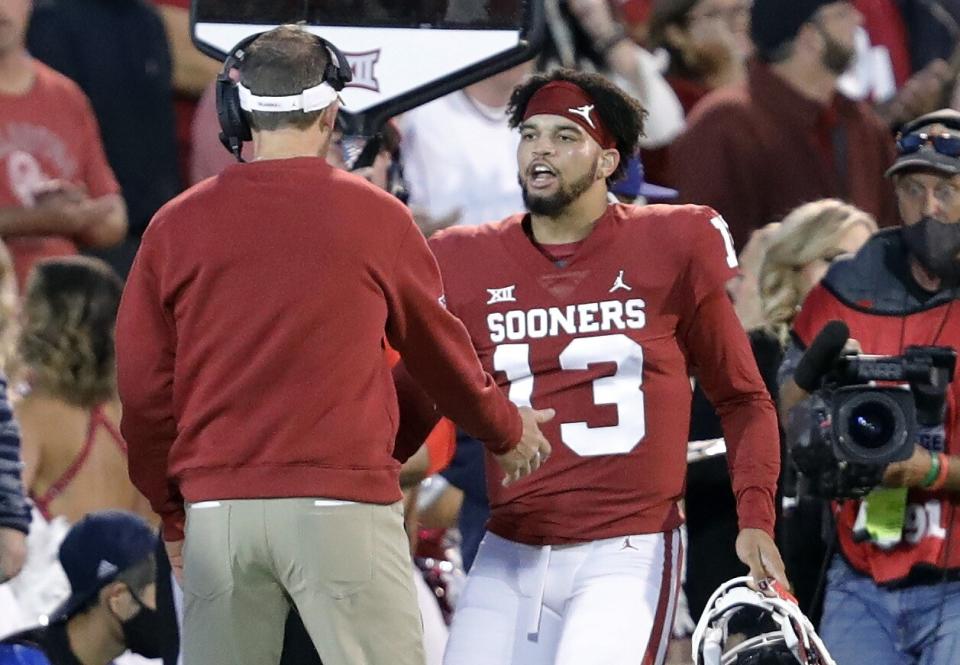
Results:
[871, 424]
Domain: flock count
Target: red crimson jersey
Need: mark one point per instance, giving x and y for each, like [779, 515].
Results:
[48, 133]
[609, 340]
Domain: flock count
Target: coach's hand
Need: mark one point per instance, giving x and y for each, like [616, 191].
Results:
[533, 449]
[175, 554]
[756, 548]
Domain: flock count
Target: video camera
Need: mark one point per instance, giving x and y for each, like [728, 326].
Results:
[851, 429]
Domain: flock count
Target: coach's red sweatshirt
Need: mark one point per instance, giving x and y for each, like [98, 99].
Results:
[249, 342]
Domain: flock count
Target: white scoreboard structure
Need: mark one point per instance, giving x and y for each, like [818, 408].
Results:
[403, 53]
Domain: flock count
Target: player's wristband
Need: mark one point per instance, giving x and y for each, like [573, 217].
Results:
[941, 478]
[933, 472]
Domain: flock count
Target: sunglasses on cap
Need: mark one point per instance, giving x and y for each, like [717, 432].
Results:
[945, 144]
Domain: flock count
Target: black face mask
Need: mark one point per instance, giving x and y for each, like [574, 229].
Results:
[142, 632]
[936, 245]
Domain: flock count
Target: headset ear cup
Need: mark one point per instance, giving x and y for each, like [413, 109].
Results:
[222, 88]
[234, 113]
[337, 72]
[241, 119]
[233, 123]
[234, 129]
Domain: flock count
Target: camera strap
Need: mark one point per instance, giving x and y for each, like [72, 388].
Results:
[881, 517]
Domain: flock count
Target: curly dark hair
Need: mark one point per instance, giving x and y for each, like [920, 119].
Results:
[622, 114]
[66, 343]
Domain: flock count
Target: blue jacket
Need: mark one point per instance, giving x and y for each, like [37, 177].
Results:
[21, 654]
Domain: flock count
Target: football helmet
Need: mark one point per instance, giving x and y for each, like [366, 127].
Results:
[787, 637]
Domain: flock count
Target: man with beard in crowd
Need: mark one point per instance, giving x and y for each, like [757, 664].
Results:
[786, 136]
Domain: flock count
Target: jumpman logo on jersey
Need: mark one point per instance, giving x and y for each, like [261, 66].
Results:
[627, 545]
[502, 295]
[618, 283]
[584, 112]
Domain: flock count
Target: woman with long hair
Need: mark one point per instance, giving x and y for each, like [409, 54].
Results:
[68, 409]
[792, 255]
[800, 252]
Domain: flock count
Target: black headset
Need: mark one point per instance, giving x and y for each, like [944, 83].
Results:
[234, 128]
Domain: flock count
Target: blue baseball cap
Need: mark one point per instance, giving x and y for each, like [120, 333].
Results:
[97, 549]
[633, 185]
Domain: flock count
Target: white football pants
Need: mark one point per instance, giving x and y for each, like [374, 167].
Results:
[605, 602]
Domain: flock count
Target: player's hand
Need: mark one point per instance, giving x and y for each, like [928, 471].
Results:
[757, 550]
[533, 449]
[175, 555]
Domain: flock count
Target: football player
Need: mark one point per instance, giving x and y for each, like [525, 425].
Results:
[601, 311]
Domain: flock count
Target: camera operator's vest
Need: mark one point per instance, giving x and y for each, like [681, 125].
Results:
[874, 294]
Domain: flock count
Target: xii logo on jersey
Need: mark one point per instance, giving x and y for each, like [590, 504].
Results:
[502, 295]
[361, 66]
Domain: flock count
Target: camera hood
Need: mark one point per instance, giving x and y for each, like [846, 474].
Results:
[873, 425]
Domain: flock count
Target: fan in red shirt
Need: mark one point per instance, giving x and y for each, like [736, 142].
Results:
[601, 312]
[56, 189]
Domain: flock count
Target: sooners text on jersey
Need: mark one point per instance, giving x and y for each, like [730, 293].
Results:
[601, 340]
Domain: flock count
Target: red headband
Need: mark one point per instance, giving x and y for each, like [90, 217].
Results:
[573, 103]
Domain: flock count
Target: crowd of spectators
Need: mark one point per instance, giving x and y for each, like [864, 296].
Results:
[781, 115]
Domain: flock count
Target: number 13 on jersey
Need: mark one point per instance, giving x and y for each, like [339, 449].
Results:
[624, 389]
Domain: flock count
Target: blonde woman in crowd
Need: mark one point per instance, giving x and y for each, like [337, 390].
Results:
[797, 257]
[68, 409]
[799, 253]
[65, 401]
[779, 265]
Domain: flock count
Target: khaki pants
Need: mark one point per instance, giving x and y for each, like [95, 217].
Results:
[345, 566]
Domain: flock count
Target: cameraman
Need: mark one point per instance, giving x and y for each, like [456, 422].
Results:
[899, 602]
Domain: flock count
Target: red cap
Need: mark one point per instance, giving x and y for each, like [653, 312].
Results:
[569, 100]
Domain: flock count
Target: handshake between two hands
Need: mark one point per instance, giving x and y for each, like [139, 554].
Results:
[532, 450]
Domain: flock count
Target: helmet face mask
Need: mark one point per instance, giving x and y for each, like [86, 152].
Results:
[764, 649]
[786, 636]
